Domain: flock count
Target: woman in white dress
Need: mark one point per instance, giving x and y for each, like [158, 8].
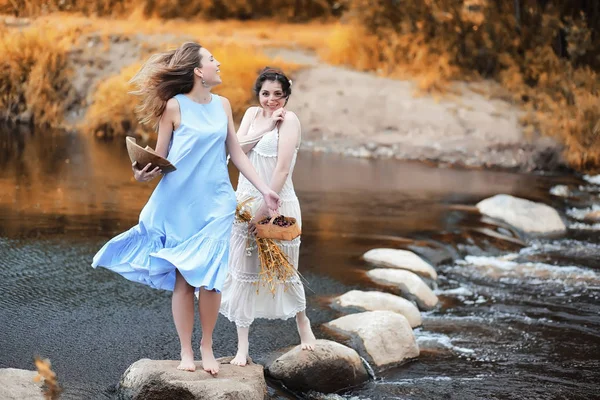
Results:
[270, 136]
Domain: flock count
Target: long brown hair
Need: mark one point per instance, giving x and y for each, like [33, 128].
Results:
[163, 76]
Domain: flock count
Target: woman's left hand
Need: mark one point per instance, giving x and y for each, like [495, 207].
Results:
[271, 200]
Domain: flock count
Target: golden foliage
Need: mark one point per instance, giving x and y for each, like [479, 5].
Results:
[543, 52]
[112, 111]
[45, 374]
[34, 76]
[299, 10]
[208, 33]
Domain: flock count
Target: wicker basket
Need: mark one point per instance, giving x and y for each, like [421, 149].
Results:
[272, 231]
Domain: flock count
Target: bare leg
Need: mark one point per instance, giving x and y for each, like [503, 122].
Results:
[241, 358]
[307, 338]
[182, 306]
[209, 303]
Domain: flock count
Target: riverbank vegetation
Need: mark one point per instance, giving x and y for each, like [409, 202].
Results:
[544, 55]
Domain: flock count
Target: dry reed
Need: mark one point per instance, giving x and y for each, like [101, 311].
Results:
[275, 267]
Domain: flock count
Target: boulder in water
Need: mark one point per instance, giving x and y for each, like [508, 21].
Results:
[592, 216]
[380, 301]
[528, 216]
[386, 336]
[409, 284]
[160, 379]
[329, 368]
[402, 259]
[18, 384]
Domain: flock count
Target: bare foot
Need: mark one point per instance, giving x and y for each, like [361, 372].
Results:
[240, 359]
[187, 361]
[209, 364]
[307, 338]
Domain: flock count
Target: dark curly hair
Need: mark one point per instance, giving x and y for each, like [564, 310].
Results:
[273, 74]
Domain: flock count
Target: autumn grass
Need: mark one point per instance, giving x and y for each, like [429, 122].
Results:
[112, 112]
[445, 41]
[267, 33]
[34, 76]
[298, 11]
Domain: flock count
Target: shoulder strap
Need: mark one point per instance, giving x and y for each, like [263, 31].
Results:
[254, 117]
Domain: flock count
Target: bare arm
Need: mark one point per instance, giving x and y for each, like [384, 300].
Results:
[242, 162]
[249, 140]
[289, 135]
[243, 130]
[169, 121]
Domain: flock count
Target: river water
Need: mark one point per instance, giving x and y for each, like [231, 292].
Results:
[514, 321]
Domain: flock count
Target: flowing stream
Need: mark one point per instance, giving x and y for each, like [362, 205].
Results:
[515, 321]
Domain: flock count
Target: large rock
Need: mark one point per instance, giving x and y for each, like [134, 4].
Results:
[379, 301]
[528, 216]
[592, 216]
[409, 284]
[330, 367]
[402, 259]
[387, 336]
[160, 379]
[18, 384]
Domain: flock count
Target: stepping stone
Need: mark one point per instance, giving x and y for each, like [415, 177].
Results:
[402, 259]
[380, 301]
[329, 368]
[387, 337]
[160, 379]
[411, 286]
[528, 216]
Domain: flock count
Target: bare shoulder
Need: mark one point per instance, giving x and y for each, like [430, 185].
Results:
[250, 110]
[291, 118]
[172, 109]
[226, 102]
[172, 105]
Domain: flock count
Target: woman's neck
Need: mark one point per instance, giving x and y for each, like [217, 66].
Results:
[266, 113]
[200, 94]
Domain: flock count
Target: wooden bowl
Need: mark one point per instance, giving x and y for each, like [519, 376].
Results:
[144, 156]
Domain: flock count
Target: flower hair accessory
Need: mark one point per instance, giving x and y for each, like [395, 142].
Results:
[290, 81]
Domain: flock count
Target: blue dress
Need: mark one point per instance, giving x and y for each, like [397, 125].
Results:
[186, 224]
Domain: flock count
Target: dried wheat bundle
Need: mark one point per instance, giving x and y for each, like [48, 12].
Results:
[275, 267]
[45, 375]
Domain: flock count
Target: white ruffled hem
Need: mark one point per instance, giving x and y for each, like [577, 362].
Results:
[243, 302]
[245, 323]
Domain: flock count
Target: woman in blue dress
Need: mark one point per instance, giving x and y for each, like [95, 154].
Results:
[182, 240]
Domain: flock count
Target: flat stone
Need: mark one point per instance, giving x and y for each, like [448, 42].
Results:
[379, 301]
[402, 259]
[18, 384]
[386, 336]
[411, 286]
[160, 379]
[329, 368]
[593, 216]
[528, 216]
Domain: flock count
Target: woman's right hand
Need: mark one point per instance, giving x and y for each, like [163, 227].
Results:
[276, 118]
[143, 175]
[259, 215]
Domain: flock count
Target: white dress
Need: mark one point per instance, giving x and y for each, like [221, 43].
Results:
[244, 297]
